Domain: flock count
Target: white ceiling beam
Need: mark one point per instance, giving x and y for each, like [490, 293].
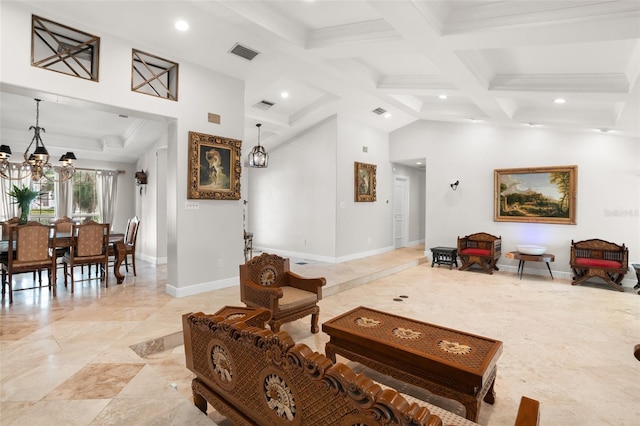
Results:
[412, 24]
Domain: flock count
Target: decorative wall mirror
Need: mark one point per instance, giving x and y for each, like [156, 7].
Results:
[154, 76]
[57, 47]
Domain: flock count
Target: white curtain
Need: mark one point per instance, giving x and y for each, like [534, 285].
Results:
[64, 192]
[107, 181]
[9, 207]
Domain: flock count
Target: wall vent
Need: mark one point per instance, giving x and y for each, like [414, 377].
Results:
[244, 52]
[264, 105]
[379, 111]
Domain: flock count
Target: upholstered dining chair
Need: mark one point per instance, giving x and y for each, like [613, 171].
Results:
[62, 225]
[267, 282]
[29, 250]
[89, 245]
[130, 238]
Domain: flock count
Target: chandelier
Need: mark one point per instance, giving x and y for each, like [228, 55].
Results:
[258, 157]
[36, 163]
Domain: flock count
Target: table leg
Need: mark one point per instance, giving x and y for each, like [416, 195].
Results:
[120, 251]
[549, 268]
[521, 268]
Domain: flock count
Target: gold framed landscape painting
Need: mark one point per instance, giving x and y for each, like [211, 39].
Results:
[214, 167]
[536, 195]
[364, 182]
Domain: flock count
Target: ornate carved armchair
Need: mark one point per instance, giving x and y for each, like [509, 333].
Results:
[599, 258]
[267, 282]
[480, 249]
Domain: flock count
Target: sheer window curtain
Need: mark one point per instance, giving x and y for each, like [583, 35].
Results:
[64, 192]
[107, 181]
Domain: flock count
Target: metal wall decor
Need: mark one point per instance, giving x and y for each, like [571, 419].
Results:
[59, 48]
[155, 76]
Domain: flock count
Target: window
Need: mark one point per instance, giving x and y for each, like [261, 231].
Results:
[85, 196]
[43, 207]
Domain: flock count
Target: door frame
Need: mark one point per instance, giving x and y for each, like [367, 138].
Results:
[404, 238]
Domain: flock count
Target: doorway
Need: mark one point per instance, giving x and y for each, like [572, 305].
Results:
[400, 211]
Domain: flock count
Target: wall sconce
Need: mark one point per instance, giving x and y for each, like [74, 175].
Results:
[454, 185]
[141, 180]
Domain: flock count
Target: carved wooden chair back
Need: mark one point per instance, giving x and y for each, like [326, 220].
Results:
[268, 270]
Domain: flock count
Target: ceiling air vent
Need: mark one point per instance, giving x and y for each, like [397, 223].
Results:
[264, 105]
[379, 111]
[244, 52]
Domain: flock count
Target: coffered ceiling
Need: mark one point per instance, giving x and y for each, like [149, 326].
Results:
[503, 62]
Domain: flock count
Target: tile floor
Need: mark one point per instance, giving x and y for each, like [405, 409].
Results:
[68, 360]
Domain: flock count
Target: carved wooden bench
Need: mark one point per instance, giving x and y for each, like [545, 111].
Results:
[256, 377]
[480, 249]
[599, 258]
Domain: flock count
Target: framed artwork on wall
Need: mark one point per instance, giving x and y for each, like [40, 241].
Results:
[365, 182]
[536, 194]
[214, 167]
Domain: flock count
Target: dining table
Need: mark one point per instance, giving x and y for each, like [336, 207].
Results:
[63, 239]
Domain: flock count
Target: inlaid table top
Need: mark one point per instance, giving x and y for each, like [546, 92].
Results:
[468, 357]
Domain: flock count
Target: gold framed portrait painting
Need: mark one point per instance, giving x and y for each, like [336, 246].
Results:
[214, 167]
[536, 194]
[365, 182]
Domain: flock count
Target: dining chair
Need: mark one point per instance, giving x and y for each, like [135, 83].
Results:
[89, 245]
[29, 250]
[130, 238]
[62, 227]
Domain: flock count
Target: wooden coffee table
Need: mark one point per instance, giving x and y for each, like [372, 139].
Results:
[448, 362]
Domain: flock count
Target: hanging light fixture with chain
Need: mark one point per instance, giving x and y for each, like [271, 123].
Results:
[258, 157]
[36, 163]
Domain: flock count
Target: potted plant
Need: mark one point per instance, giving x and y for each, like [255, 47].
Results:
[24, 197]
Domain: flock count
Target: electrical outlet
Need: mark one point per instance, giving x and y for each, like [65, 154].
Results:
[369, 240]
[219, 263]
[304, 242]
[192, 205]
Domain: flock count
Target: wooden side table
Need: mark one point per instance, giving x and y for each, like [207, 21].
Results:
[444, 256]
[546, 257]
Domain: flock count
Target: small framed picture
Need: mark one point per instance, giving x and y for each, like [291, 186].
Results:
[365, 182]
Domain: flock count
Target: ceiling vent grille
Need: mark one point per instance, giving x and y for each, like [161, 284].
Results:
[244, 52]
[264, 105]
[379, 111]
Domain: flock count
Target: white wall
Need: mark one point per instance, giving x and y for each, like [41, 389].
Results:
[608, 199]
[303, 205]
[208, 236]
[151, 205]
[292, 202]
[363, 228]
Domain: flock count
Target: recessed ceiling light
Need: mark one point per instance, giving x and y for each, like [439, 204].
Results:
[284, 94]
[605, 130]
[387, 115]
[559, 100]
[475, 120]
[443, 96]
[182, 25]
[533, 125]
[418, 163]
